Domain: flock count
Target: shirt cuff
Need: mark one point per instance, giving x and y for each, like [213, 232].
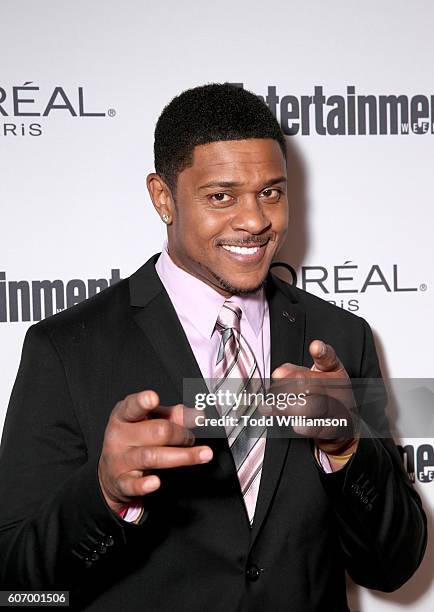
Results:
[131, 513]
[323, 460]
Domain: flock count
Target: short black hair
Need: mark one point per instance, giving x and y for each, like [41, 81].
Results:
[209, 113]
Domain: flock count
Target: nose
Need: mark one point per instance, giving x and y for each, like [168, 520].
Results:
[250, 216]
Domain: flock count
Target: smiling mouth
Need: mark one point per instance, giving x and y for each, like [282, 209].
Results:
[241, 250]
[247, 252]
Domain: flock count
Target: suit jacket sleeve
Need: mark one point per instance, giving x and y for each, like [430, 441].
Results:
[54, 522]
[381, 523]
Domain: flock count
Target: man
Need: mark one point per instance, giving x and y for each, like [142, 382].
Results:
[107, 492]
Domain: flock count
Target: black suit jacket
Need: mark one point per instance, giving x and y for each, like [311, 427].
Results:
[195, 550]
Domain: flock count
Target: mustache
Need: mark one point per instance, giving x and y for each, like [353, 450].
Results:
[251, 241]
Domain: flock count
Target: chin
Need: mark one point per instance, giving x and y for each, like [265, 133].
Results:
[234, 289]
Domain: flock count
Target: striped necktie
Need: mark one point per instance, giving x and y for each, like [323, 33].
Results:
[236, 371]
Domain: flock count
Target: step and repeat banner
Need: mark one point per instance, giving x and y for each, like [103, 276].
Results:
[81, 87]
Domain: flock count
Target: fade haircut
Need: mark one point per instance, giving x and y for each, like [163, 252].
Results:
[209, 113]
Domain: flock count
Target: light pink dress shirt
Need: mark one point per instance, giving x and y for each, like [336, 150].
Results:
[198, 306]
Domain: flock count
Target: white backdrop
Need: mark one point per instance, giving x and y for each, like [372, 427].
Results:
[72, 191]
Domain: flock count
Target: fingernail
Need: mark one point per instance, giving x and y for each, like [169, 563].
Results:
[322, 350]
[205, 455]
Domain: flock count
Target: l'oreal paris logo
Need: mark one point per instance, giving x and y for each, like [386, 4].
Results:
[20, 104]
[335, 283]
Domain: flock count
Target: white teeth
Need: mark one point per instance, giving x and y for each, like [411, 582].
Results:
[241, 250]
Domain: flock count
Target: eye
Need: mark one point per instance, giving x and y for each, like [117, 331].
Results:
[221, 198]
[270, 194]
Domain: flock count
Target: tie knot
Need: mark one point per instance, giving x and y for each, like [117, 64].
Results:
[229, 317]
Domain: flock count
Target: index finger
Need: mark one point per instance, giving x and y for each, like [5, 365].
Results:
[179, 413]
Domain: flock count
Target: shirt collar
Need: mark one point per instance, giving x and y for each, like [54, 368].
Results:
[196, 301]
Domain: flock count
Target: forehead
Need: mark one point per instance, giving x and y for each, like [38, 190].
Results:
[253, 159]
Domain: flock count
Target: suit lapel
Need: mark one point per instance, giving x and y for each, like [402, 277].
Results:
[160, 324]
[287, 322]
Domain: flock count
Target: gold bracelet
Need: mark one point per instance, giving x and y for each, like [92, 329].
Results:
[340, 457]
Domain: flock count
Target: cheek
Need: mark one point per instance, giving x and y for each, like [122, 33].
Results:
[203, 227]
[279, 219]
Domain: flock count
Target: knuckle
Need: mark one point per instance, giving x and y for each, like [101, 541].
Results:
[188, 437]
[149, 457]
[163, 430]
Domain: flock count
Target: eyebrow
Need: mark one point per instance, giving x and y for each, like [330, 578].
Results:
[225, 184]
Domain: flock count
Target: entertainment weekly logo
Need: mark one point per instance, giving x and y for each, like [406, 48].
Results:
[418, 462]
[34, 300]
[20, 105]
[349, 112]
[343, 285]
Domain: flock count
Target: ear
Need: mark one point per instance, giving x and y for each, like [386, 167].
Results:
[161, 197]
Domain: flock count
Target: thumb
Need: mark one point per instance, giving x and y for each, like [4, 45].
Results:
[324, 357]
[136, 406]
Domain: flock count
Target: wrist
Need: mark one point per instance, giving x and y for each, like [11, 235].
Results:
[115, 505]
[335, 456]
[340, 446]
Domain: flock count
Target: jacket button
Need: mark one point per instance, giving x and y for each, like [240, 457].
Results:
[253, 573]
[108, 541]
